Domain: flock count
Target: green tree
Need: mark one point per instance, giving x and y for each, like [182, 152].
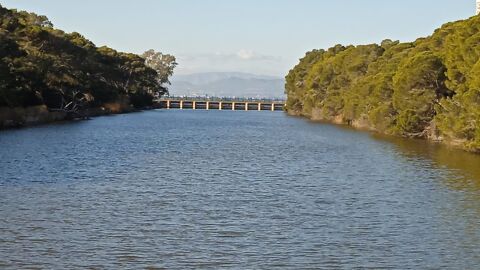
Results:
[418, 85]
[163, 64]
[422, 88]
[43, 65]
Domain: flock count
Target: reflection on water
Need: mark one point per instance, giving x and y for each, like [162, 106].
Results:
[232, 190]
[461, 172]
[464, 167]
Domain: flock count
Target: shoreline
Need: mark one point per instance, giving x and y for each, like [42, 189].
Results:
[24, 117]
[363, 127]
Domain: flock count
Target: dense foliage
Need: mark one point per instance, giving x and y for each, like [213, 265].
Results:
[43, 65]
[427, 88]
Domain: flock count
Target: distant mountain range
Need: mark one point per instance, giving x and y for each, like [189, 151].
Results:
[227, 84]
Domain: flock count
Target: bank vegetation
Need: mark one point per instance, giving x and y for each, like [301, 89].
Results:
[429, 88]
[47, 74]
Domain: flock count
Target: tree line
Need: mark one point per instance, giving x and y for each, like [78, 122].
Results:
[41, 65]
[429, 88]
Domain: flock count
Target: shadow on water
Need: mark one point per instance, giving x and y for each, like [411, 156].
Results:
[464, 166]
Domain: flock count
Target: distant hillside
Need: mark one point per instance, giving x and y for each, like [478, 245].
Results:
[227, 84]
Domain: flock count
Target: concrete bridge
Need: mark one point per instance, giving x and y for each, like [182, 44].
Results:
[221, 104]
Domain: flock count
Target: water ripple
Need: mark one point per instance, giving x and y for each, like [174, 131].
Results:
[228, 190]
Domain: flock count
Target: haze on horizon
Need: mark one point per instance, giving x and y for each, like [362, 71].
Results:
[261, 37]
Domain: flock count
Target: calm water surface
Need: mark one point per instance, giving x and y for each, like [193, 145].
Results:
[232, 190]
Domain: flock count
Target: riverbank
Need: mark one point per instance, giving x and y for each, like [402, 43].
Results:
[20, 117]
[431, 135]
[47, 75]
[425, 89]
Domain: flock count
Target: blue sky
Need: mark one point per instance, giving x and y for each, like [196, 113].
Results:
[256, 36]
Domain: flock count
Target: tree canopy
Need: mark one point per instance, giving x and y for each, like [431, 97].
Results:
[427, 88]
[43, 65]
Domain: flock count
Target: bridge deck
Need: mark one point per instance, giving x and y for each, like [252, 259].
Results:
[234, 105]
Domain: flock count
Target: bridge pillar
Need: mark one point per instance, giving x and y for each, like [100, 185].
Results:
[259, 106]
[233, 106]
[168, 104]
[207, 106]
[220, 105]
[246, 106]
[181, 104]
[194, 105]
[273, 107]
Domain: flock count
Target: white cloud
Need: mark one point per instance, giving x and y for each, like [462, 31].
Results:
[243, 61]
[245, 54]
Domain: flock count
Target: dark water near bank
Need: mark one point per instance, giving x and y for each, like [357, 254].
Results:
[232, 190]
